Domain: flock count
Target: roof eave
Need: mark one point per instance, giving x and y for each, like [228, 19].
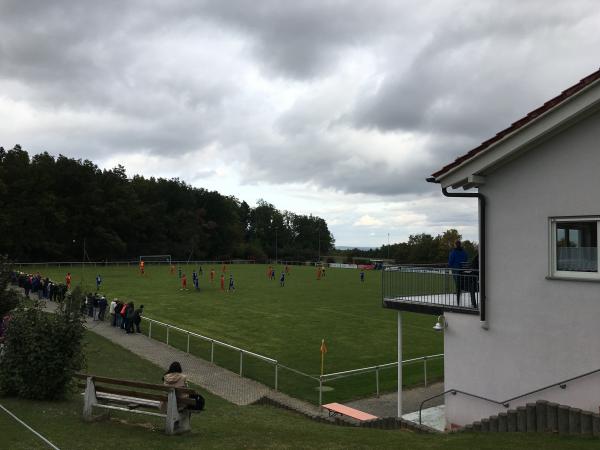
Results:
[563, 115]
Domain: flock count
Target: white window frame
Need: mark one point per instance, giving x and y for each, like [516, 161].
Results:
[552, 271]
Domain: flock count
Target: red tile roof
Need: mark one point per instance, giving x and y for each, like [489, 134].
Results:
[564, 95]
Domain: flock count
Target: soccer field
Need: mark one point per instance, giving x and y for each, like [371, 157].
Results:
[284, 323]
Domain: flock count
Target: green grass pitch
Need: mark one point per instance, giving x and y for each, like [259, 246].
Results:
[284, 323]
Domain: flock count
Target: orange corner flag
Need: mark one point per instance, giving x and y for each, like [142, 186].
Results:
[323, 346]
[323, 351]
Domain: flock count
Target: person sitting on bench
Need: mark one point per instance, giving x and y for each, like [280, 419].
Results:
[175, 377]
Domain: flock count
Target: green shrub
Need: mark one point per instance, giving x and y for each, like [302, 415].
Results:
[9, 299]
[42, 352]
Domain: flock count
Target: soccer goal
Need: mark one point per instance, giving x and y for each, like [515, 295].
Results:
[156, 259]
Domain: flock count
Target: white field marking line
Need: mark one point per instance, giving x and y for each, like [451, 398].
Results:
[30, 429]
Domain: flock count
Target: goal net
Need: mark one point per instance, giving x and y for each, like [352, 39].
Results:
[156, 259]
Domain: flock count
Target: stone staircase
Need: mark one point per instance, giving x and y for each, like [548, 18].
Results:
[540, 417]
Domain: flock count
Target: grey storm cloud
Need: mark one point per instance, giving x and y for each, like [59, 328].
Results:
[482, 69]
[303, 39]
[311, 158]
[97, 59]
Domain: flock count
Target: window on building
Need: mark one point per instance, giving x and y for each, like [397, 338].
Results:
[574, 246]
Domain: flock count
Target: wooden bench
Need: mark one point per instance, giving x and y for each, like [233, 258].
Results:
[100, 392]
[339, 409]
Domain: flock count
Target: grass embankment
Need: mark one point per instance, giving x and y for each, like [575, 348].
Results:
[286, 323]
[222, 425]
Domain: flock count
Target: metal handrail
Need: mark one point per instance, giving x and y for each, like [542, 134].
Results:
[454, 392]
[336, 375]
[319, 378]
[506, 403]
[299, 372]
[215, 341]
[376, 369]
[561, 384]
[440, 268]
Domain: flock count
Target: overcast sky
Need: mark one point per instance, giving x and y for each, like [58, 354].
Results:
[336, 108]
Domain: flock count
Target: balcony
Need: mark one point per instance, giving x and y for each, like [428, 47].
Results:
[431, 290]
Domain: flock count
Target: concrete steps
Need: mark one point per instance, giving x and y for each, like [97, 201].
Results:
[540, 417]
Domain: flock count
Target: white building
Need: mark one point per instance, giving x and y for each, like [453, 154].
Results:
[537, 321]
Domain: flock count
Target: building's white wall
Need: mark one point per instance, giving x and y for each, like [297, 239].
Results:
[540, 331]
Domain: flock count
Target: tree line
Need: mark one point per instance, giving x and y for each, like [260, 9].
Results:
[419, 249]
[60, 208]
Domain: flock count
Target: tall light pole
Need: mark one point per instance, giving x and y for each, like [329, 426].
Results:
[275, 245]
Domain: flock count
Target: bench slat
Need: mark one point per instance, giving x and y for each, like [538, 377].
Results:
[140, 395]
[139, 384]
[350, 412]
[128, 400]
[131, 393]
[118, 408]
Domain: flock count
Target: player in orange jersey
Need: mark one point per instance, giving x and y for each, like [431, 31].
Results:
[318, 273]
[172, 269]
[269, 270]
[222, 282]
[183, 283]
[212, 275]
[142, 265]
[287, 269]
[224, 268]
[68, 280]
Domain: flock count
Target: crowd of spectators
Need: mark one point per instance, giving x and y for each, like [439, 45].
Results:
[43, 288]
[122, 314]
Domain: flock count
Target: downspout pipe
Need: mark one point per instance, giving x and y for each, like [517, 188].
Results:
[482, 241]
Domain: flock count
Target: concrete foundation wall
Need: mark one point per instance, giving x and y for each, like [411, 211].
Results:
[540, 331]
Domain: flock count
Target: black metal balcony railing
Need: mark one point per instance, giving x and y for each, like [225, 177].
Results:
[431, 289]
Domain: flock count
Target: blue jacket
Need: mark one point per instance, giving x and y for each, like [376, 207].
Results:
[457, 257]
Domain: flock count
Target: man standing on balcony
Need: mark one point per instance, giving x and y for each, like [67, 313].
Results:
[474, 280]
[458, 256]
